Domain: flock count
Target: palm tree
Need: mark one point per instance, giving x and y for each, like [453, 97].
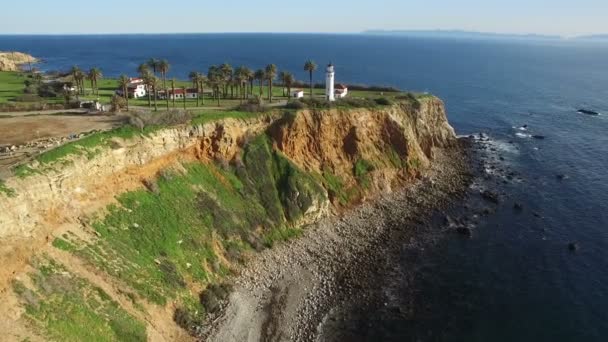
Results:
[202, 80]
[38, 78]
[80, 76]
[163, 68]
[94, 75]
[153, 63]
[216, 79]
[173, 91]
[142, 69]
[282, 76]
[240, 80]
[123, 83]
[196, 78]
[250, 78]
[148, 78]
[288, 82]
[154, 84]
[310, 66]
[260, 75]
[76, 75]
[226, 72]
[271, 74]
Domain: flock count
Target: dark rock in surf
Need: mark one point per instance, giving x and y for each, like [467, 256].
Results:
[539, 137]
[573, 246]
[588, 112]
[490, 196]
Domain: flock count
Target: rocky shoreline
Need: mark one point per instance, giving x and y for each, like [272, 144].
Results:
[288, 293]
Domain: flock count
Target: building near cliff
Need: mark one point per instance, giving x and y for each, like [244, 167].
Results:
[341, 91]
[136, 88]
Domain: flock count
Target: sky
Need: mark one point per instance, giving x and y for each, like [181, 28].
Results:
[554, 17]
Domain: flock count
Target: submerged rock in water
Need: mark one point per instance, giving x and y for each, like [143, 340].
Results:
[573, 246]
[540, 137]
[490, 196]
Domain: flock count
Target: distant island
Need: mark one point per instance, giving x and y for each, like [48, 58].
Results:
[458, 34]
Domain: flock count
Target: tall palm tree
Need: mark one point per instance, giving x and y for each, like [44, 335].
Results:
[282, 76]
[80, 76]
[94, 75]
[196, 78]
[142, 69]
[260, 75]
[163, 68]
[288, 82]
[271, 74]
[226, 72]
[123, 83]
[153, 64]
[202, 80]
[310, 66]
[250, 78]
[214, 76]
[173, 91]
[240, 80]
[184, 90]
[149, 80]
[76, 75]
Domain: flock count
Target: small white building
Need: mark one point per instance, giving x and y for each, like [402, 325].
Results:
[136, 88]
[297, 94]
[341, 91]
[190, 93]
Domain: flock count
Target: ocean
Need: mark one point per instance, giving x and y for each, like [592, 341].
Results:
[515, 279]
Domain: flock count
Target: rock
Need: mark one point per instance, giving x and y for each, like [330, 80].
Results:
[587, 112]
[466, 231]
[539, 137]
[561, 177]
[156, 261]
[490, 196]
[518, 206]
[573, 246]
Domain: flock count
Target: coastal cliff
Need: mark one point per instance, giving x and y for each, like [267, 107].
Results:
[12, 61]
[141, 235]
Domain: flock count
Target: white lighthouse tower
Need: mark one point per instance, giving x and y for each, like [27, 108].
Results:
[329, 83]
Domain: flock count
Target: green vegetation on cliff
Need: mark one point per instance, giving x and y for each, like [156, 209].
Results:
[190, 225]
[69, 308]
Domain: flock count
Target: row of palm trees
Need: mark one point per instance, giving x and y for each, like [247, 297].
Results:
[224, 81]
[79, 76]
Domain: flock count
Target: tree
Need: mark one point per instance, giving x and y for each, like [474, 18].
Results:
[153, 64]
[226, 72]
[288, 82]
[149, 81]
[202, 80]
[250, 78]
[163, 67]
[310, 66]
[271, 74]
[282, 76]
[184, 90]
[260, 75]
[173, 91]
[94, 75]
[196, 77]
[142, 69]
[215, 77]
[123, 83]
[240, 80]
[78, 76]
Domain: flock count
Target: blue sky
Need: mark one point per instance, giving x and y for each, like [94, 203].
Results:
[562, 17]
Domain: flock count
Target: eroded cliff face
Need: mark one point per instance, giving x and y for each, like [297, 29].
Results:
[154, 220]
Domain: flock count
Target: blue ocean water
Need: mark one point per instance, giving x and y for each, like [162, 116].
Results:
[515, 279]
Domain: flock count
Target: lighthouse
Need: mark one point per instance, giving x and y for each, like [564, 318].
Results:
[329, 83]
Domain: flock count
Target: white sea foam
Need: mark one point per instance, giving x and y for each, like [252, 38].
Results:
[523, 135]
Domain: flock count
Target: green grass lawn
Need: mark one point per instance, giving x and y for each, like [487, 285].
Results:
[11, 85]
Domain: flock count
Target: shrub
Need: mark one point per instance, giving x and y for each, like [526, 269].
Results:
[296, 104]
[118, 103]
[383, 101]
[355, 102]
[167, 118]
[255, 105]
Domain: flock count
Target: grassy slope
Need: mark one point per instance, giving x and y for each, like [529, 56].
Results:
[190, 227]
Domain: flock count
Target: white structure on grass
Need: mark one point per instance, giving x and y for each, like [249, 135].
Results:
[297, 94]
[329, 83]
